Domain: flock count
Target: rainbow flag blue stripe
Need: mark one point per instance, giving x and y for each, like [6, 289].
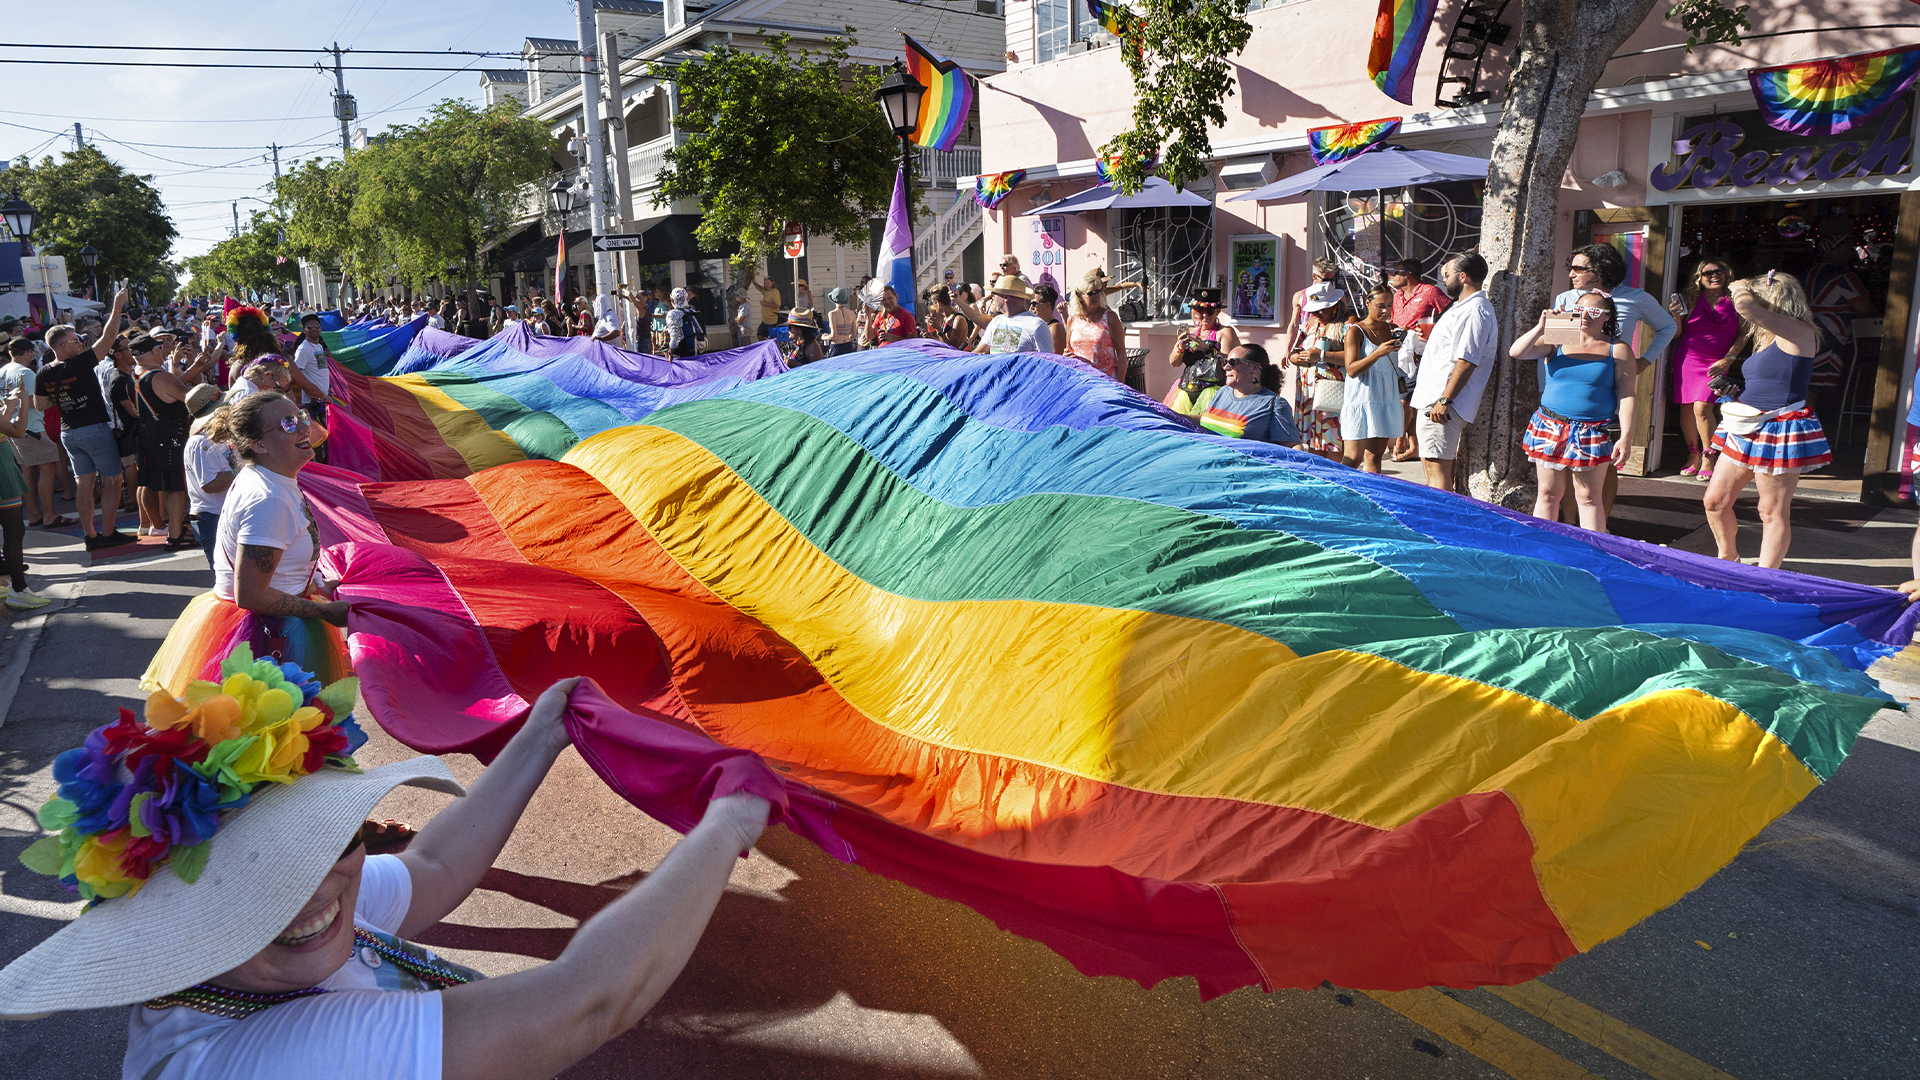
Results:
[1399, 33]
[1829, 97]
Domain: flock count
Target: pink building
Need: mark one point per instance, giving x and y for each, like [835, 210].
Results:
[1066, 92]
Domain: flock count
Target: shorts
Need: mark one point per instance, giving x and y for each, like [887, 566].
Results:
[35, 449]
[163, 465]
[1438, 442]
[91, 450]
[1561, 443]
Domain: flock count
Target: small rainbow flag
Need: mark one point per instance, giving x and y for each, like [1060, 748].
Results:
[1339, 142]
[948, 100]
[1399, 33]
[1104, 167]
[1114, 18]
[992, 189]
[1828, 97]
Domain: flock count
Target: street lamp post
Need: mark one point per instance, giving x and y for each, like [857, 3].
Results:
[899, 97]
[90, 257]
[19, 215]
[562, 195]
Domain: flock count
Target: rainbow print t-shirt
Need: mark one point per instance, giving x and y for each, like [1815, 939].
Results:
[1262, 415]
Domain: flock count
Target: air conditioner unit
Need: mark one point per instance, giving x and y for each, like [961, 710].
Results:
[1079, 47]
[1248, 173]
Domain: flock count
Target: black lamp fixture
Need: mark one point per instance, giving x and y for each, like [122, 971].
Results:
[562, 195]
[899, 97]
[89, 256]
[19, 215]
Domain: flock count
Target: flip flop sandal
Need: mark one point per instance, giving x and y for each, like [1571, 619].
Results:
[59, 523]
[387, 837]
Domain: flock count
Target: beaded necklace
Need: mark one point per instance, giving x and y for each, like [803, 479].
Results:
[234, 1004]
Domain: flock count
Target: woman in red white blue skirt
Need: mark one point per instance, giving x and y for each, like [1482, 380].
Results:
[1767, 433]
[1589, 384]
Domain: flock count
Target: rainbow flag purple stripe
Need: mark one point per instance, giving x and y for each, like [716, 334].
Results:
[1836, 95]
[1399, 33]
[1339, 142]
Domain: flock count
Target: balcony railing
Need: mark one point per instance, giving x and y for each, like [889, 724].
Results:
[942, 169]
[645, 161]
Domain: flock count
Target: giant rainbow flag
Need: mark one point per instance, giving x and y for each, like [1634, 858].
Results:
[455, 405]
[371, 348]
[1173, 704]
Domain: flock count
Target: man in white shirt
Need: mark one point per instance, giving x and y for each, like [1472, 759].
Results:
[1017, 329]
[310, 374]
[1454, 368]
[607, 326]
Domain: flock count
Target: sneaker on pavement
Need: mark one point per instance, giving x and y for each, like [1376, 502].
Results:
[23, 599]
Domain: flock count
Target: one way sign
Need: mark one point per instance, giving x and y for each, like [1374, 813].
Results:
[617, 242]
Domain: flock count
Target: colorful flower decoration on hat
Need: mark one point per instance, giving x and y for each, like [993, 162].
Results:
[137, 796]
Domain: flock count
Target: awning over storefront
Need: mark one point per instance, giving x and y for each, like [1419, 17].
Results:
[1375, 171]
[671, 237]
[1155, 193]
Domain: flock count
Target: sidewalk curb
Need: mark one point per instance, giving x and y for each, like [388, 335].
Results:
[64, 567]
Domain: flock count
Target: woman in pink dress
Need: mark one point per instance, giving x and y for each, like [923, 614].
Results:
[1094, 332]
[1710, 331]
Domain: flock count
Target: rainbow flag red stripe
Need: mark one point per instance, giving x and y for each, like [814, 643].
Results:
[1221, 422]
[1399, 33]
[1828, 97]
[1114, 18]
[948, 100]
[1338, 142]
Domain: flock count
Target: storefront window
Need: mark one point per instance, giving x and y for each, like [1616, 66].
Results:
[1170, 251]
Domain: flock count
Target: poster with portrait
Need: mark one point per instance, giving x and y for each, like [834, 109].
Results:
[1251, 289]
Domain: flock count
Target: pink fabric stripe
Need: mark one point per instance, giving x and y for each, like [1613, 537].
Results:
[350, 445]
[339, 509]
[425, 667]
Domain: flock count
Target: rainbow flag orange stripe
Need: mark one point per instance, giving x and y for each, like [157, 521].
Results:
[948, 100]
[1828, 97]
[1338, 142]
[1399, 33]
[991, 189]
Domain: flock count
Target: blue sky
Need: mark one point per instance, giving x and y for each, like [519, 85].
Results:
[216, 124]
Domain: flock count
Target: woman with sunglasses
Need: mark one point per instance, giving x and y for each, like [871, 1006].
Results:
[265, 589]
[1710, 331]
[1589, 385]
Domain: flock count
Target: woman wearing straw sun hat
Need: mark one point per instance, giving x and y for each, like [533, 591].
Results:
[232, 899]
[803, 337]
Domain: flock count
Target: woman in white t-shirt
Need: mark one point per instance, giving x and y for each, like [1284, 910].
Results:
[211, 464]
[265, 589]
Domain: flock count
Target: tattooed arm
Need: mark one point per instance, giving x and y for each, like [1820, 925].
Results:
[253, 589]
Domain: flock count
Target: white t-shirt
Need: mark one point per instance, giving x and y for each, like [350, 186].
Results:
[207, 459]
[266, 509]
[16, 375]
[1467, 331]
[311, 359]
[367, 1025]
[1018, 333]
[436, 322]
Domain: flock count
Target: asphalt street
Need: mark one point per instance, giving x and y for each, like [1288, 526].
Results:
[1796, 961]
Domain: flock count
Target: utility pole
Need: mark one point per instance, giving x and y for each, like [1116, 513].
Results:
[78, 142]
[622, 182]
[276, 164]
[344, 108]
[596, 144]
[236, 217]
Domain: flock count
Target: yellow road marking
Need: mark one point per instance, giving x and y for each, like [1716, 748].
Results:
[1588, 1024]
[1490, 1041]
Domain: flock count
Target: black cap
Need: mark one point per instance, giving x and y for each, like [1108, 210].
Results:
[144, 343]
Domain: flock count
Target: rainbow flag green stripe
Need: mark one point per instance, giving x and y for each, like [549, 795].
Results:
[947, 100]
[1828, 97]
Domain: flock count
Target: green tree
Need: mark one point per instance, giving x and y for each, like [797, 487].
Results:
[780, 136]
[430, 195]
[85, 198]
[1178, 54]
[249, 262]
[316, 200]
[1564, 47]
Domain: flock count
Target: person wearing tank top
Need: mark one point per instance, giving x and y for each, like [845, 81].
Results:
[1767, 434]
[1589, 384]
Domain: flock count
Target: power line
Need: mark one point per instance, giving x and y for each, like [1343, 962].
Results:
[177, 64]
[140, 120]
[206, 49]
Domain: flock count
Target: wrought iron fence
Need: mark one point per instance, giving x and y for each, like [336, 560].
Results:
[1363, 231]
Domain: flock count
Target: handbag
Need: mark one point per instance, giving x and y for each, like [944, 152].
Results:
[1329, 390]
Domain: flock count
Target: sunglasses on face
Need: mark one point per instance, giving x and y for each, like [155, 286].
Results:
[1715, 272]
[295, 423]
[1578, 268]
